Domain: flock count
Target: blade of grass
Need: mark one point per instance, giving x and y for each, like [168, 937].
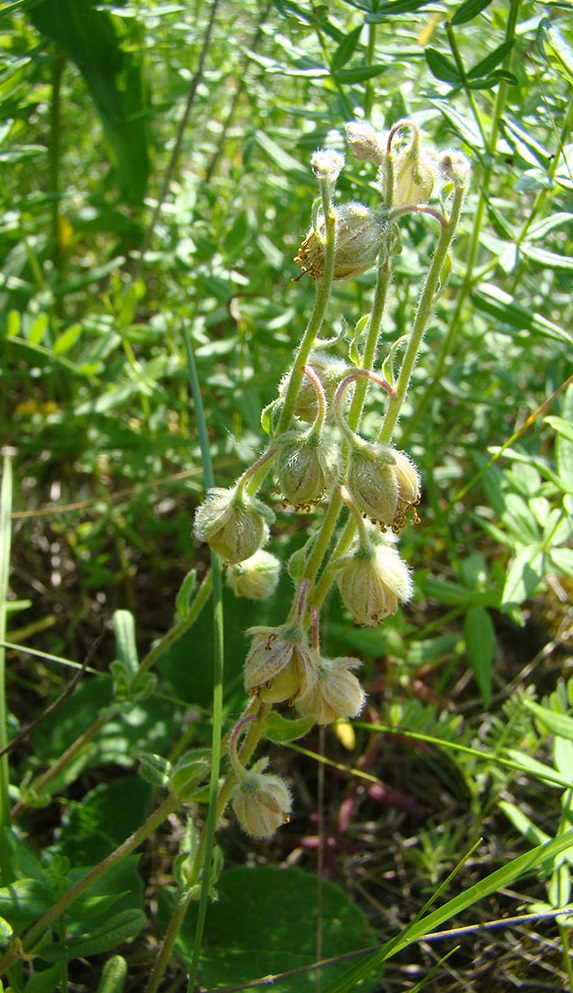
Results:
[500, 878]
[5, 536]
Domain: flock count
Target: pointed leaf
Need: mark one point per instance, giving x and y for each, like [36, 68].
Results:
[441, 67]
[479, 637]
[98, 43]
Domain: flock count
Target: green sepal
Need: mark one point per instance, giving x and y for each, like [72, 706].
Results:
[191, 770]
[269, 416]
[184, 597]
[6, 933]
[388, 364]
[124, 630]
[280, 729]
[296, 564]
[353, 352]
[113, 975]
[154, 769]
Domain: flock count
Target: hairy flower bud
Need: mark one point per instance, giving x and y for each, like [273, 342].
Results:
[371, 482]
[330, 370]
[408, 479]
[455, 167]
[233, 523]
[255, 578]
[262, 802]
[336, 694]
[306, 466]
[327, 164]
[364, 143]
[280, 664]
[373, 581]
[358, 236]
[415, 175]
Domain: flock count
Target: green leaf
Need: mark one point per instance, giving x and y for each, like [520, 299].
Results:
[468, 10]
[525, 574]
[564, 440]
[499, 304]
[561, 724]
[285, 162]
[487, 65]
[46, 981]
[524, 144]
[479, 636]
[99, 44]
[544, 773]
[447, 592]
[463, 125]
[280, 729]
[441, 67]
[68, 338]
[488, 82]
[346, 49]
[255, 928]
[540, 229]
[121, 927]
[359, 74]
[558, 49]
[518, 518]
[534, 835]
[549, 260]
[394, 7]
[103, 819]
[562, 559]
[26, 900]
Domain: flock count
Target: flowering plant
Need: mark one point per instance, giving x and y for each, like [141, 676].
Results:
[366, 489]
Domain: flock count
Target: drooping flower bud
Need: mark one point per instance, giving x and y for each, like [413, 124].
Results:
[280, 664]
[408, 479]
[336, 693]
[306, 466]
[455, 166]
[330, 370]
[255, 578]
[371, 482]
[359, 232]
[415, 175]
[364, 143]
[233, 523]
[261, 801]
[373, 581]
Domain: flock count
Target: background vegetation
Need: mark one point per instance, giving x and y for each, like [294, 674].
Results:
[155, 178]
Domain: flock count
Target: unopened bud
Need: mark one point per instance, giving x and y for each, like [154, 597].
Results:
[330, 370]
[327, 164]
[262, 802]
[455, 167]
[233, 523]
[371, 483]
[373, 581]
[415, 175]
[408, 479]
[306, 466]
[358, 237]
[364, 143]
[255, 578]
[336, 694]
[280, 664]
